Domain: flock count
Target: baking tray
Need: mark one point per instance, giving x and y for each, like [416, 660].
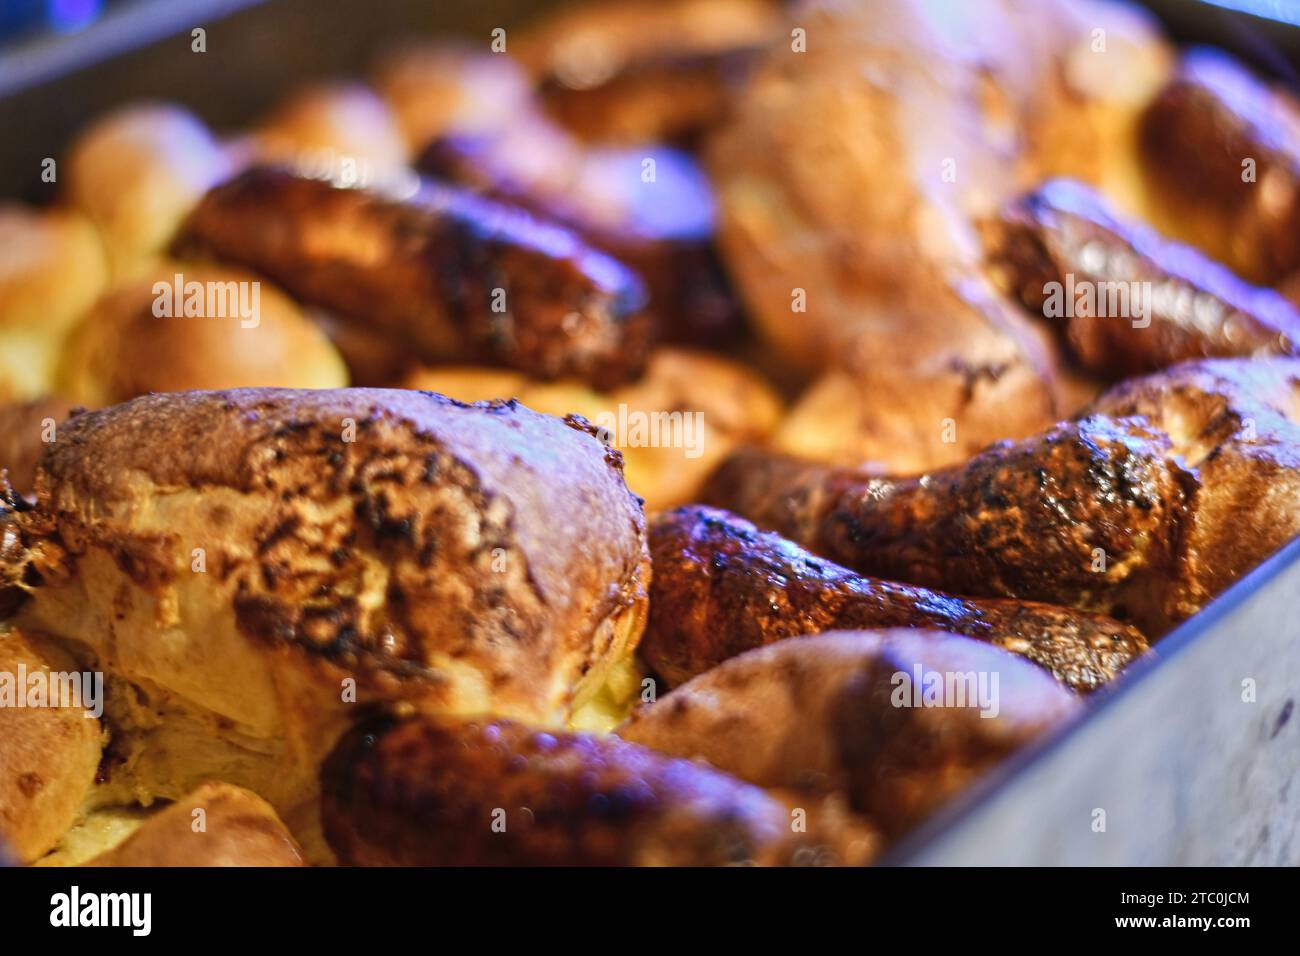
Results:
[1192, 759]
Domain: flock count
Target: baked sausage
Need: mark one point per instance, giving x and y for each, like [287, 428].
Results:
[644, 69]
[438, 792]
[1168, 490]
[445, 275]
[1220, 151]
[660, 224]
[722, 587]
[1126, 300]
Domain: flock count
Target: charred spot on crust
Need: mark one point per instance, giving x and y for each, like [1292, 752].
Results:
[317, 610]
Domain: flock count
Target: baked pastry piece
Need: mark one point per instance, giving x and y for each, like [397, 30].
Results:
[251, 568]
[338, 127]
[849, 712]
[722, 587]
[850, 178]
[52, 267]
[1168, 489]
[137, 173]
[434, 89]
[214, 825]
[673, 426]
[220, 328]
[25, 429]
[48, 754]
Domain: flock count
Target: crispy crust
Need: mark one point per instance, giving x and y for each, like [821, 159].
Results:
[1168, 490]
[464, 557]
[1064, 233]
[445, 275]
[722, 587]
[436, 792]
[820, 714]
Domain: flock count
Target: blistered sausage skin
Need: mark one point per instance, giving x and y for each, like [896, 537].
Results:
[1127, 300]
[445, 275]
[1063, 517]
[663, 230]
[1145, 509]
[722, 587]
[449, 792]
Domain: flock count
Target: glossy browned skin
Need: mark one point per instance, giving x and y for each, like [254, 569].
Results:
[1171, 488]
[425, 270]
[1194, 138]
[689, 293]
[426, 792]
[1157, 302]
[722, 587]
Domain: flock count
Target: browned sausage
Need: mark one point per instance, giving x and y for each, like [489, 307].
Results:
[1127, 300]
[442, 791]
[722, 587]
[642, 70]
[1173, 487]
[1221, 155]
[445, 275]
[663, 229]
